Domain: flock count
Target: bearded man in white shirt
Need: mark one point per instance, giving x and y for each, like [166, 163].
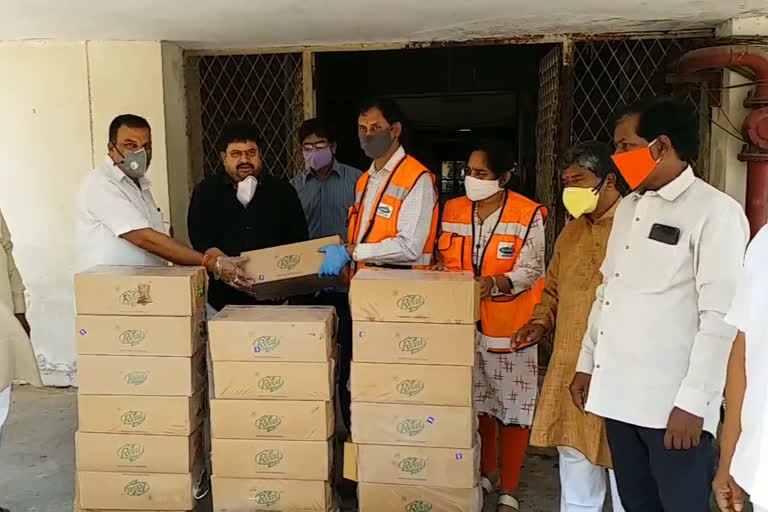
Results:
[653, 359]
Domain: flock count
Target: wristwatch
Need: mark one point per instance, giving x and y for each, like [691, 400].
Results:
[495, 288]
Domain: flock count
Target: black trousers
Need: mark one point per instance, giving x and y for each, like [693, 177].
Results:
[653, 479]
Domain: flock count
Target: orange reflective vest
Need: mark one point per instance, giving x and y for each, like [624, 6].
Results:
[499, 316]
[386, 209]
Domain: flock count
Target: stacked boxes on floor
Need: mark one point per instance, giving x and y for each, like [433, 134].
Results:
[272, 414]
[414, 444]
[141, 367]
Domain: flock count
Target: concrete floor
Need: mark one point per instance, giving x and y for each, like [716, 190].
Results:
[37, 457]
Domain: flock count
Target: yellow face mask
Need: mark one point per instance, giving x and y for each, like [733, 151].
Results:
[579, 201]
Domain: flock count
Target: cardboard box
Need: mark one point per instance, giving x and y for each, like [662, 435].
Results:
[144, 375]
[412, 465]
[273, 333]
[246, 495]
[137, 491]
[270, 381]
[417, 498]
[162, 415]
[135, 452]
[417, 425]
[145, 336]
[411, 384]
[291, 269]
[410, 343]
[274, 419]
[271, 459]
[422, 296]
[203, 505]
[144, 291]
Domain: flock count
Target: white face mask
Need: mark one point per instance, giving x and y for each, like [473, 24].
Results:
[245, 190]
[478, 189]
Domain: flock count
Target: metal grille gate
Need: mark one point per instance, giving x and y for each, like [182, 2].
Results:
[266, 89]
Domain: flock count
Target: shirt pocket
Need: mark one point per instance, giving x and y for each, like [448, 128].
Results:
[654, 266]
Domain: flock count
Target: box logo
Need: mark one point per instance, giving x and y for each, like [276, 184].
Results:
[136, 488]
[265, 344]
[384, 210]
[410, 303]
[133, 418]
[271, 383]
[410, 387]
[131, 337]
[288, 262]
[268, 423]
[130, 452]
[413, 344]
[412, 465]
[267, 498]
[418, 506]
[136, 378]
[269, 458]
[141, 296]
[506, 251]
[410, 427]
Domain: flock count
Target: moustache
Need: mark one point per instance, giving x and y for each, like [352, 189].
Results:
[245, 166]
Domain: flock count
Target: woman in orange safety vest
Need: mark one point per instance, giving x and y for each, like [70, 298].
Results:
[499, 235]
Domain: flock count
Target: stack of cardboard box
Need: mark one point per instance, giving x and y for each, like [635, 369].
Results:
[414, 442]
[272, 412]
[141, 368]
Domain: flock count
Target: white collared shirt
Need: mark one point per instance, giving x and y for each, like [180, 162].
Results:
[656, 337]
[110, 204]
[749, 466]
[413, 222]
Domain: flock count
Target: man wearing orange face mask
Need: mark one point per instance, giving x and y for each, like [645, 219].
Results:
[654, 357]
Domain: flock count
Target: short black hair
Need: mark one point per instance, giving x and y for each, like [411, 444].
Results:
[500, 156]
[595, 156]
[238, 131]
[129, 120]
[671, 117]
[388, 107]
[316, 126]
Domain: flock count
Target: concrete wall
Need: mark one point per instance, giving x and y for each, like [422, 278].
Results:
[57, 100]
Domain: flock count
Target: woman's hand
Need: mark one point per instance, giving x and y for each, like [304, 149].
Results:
[486, 284]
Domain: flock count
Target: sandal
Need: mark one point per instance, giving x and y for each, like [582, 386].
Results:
[488, 486]
[509, 501]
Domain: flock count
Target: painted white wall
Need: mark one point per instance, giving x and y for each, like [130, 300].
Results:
[57, 100]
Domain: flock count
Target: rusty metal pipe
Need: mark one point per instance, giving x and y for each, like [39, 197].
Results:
[719, 57]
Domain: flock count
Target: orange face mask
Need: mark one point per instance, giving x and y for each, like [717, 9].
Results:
[636, 165]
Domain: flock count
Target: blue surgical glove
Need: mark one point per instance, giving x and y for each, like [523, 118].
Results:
[336, 256]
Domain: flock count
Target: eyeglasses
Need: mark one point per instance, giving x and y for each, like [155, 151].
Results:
[250, 154]
[309, 146]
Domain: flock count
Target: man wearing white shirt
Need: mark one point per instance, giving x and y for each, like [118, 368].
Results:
[744, 438]
[654, 356]
[118, 221]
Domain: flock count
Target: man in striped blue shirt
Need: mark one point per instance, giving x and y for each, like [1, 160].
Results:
[327, 187]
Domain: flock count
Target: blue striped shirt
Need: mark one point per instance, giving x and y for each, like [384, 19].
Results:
[326, 202]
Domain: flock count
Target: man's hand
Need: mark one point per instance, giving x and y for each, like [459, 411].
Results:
[21, 317]
[336, 257]
[683, 430]
[580, 390]
[729, 496]
[530, 333]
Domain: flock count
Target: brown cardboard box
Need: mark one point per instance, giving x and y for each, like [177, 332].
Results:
[268, 458]
[144, 375]
[143, 291]
[163, 415]
[422, 296]
[417, 425]
[289, 381]
[137, 491]
[274, 419]
[145, 336]
[291, 269]
[134, 452]
[417, 498]
[414, 465]
[203, 505]
[245, 495]
[272, 333]
[410, 343]
[412, 384]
